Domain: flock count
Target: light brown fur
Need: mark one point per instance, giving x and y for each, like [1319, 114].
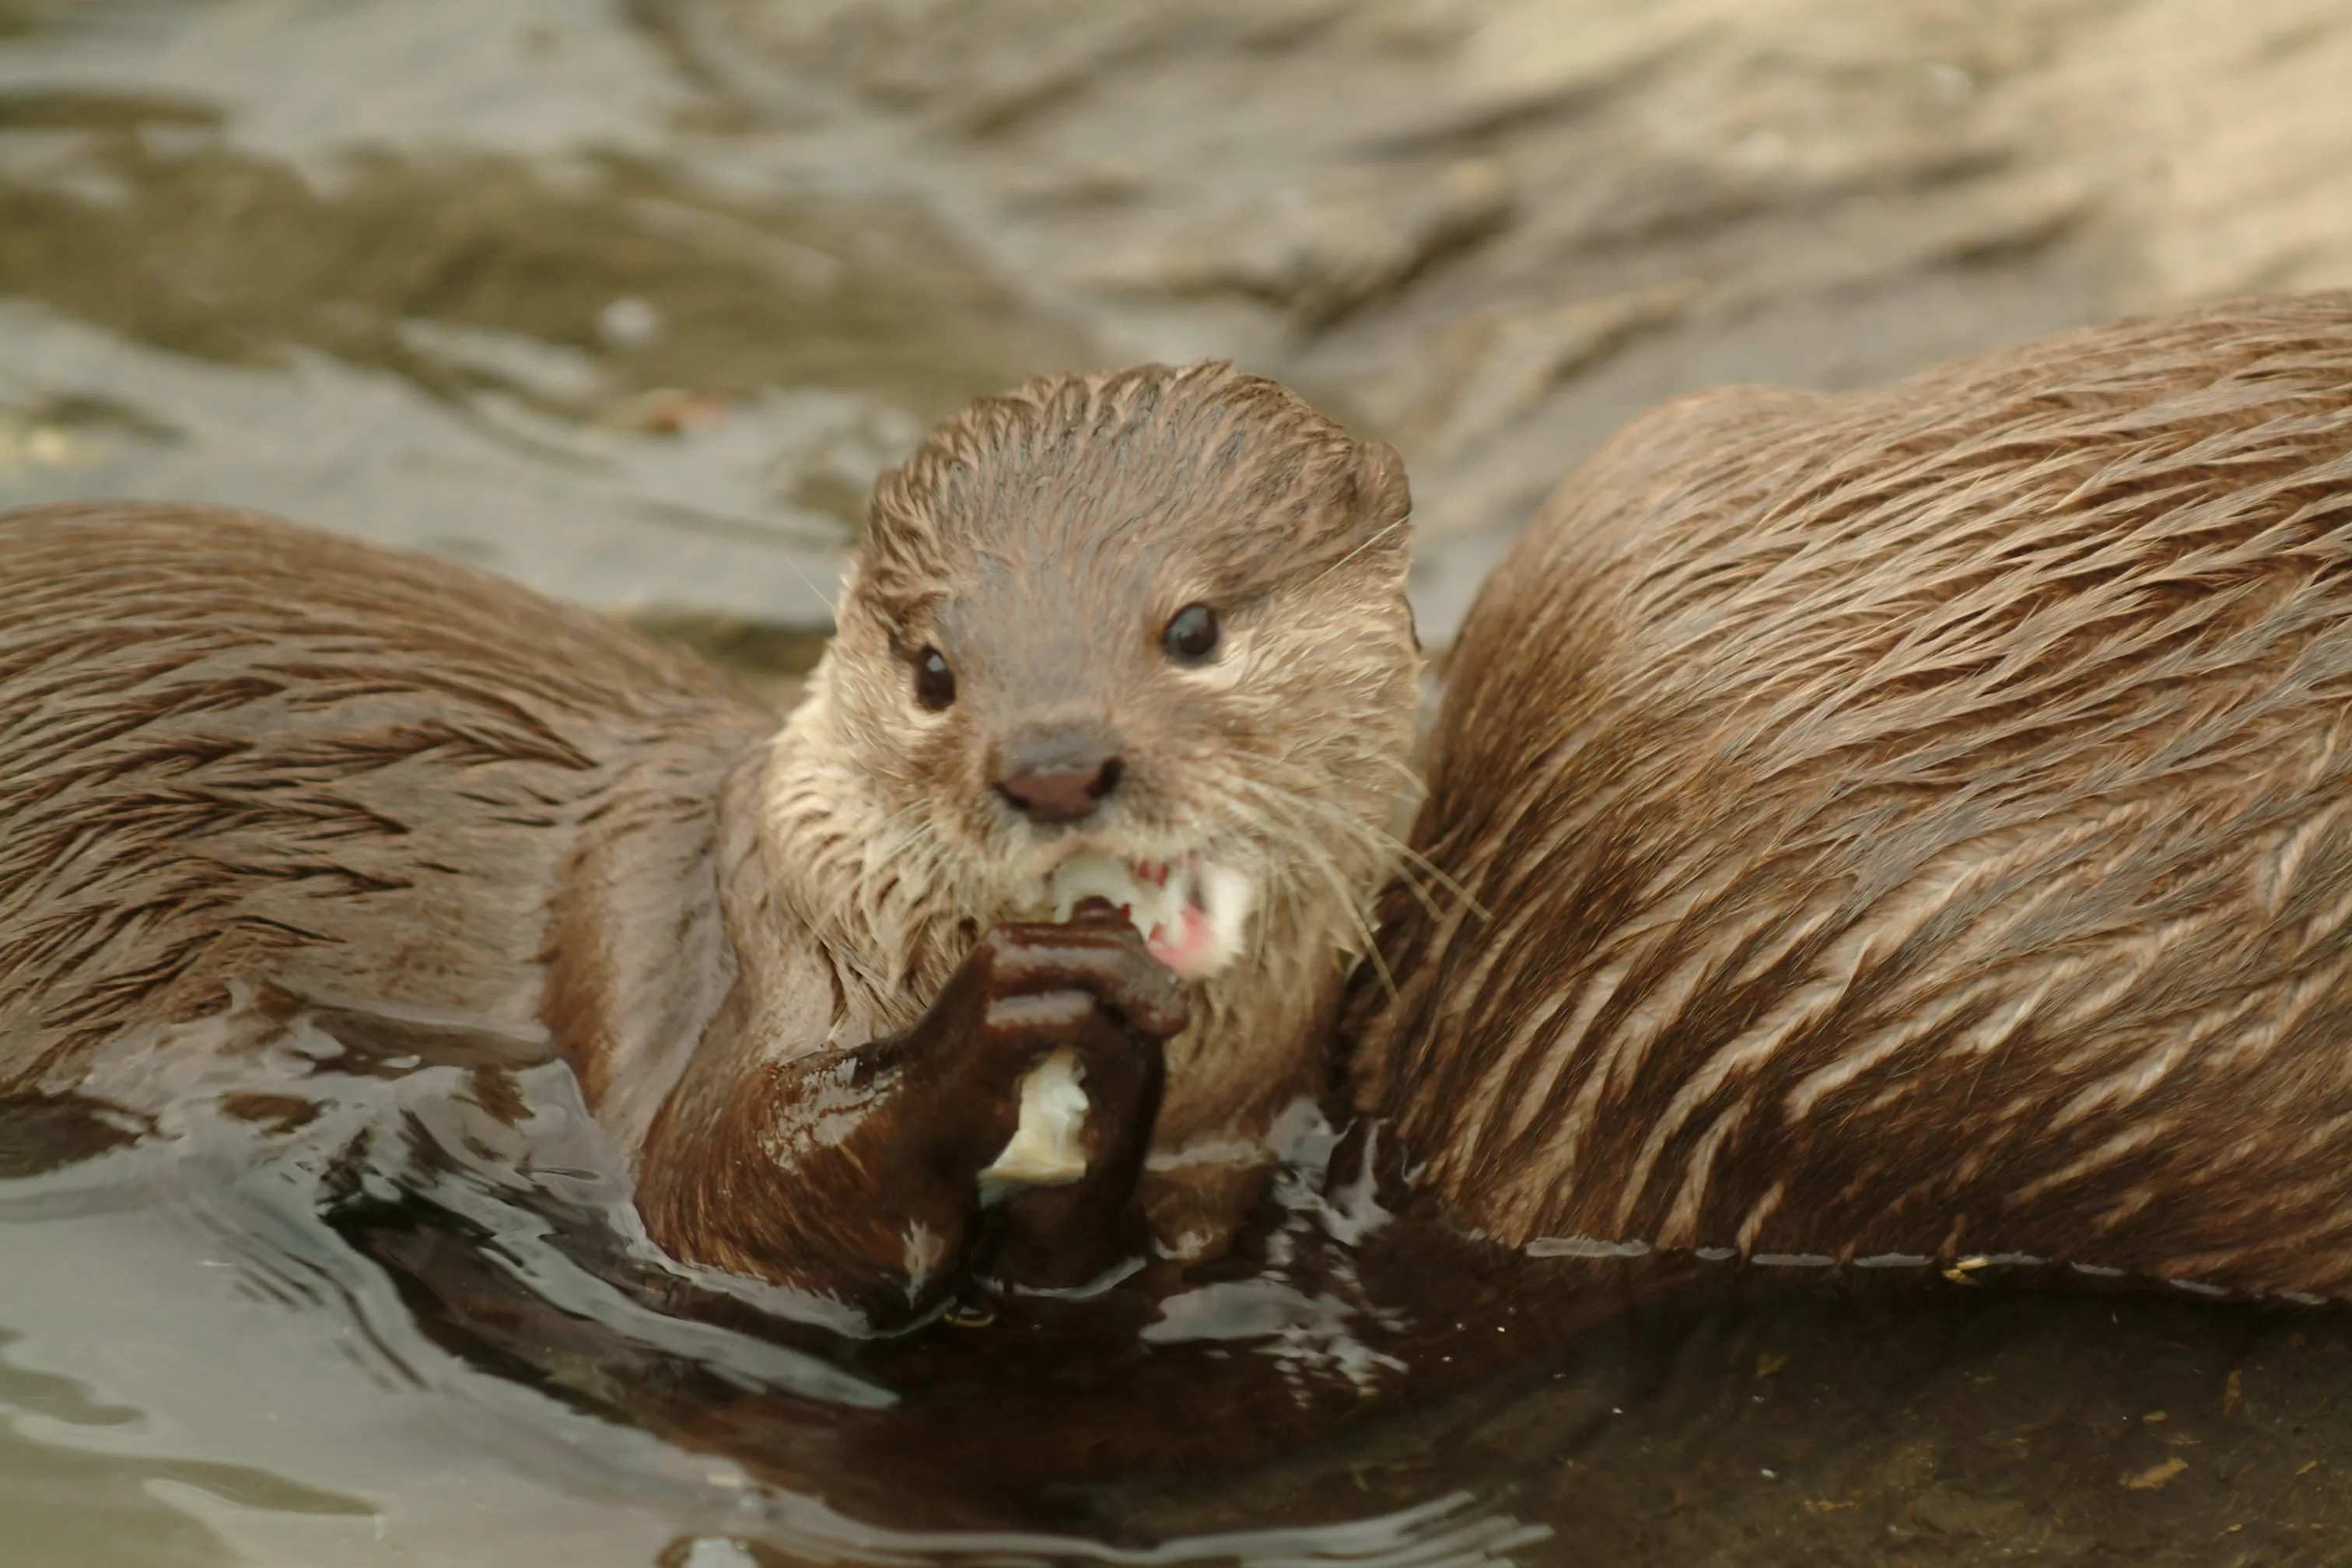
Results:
[1914, 821]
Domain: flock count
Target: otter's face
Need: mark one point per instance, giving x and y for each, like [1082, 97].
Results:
[1142, 636]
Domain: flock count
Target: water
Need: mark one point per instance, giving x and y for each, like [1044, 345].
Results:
[340, 1308]
[581, 294]
[456, 307]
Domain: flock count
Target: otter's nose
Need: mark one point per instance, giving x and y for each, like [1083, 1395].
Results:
[1058, 775]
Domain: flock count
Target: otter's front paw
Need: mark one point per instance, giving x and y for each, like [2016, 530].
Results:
[1086, 1127]
[1063, 1021]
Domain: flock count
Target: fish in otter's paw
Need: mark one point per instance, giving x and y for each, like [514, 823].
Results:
[1917, 821]
[845, 994]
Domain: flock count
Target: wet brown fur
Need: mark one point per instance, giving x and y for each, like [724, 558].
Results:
[1915, 821]
[234, 753]
[1042, 541]
[237, 751]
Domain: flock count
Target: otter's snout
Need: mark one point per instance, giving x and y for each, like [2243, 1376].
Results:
[1058, 772]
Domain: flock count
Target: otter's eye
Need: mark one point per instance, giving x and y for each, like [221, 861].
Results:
[1191, 636]
[934, 682]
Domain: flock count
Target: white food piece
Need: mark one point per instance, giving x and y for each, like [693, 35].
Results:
[1044, 1151]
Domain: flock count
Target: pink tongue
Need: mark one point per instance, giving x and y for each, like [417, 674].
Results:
[1183, 949]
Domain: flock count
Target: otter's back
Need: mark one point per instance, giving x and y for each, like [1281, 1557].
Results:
[1915, 820]
[235, 750]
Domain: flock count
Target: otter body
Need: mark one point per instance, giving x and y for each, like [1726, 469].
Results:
[233, 750]
[1917, 821]
[1912, 822]
[803, 970]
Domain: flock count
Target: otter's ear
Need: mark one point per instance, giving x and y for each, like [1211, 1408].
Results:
[1380, 498]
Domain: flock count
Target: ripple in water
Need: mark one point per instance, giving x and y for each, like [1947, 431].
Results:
[430, 1200]
[439, 1194]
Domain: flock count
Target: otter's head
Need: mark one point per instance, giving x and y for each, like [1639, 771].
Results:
[1146, 627]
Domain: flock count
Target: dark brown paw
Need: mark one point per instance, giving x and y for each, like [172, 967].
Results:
[1087, 986]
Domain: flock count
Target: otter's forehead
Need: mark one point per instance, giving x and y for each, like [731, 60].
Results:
[1230, 481]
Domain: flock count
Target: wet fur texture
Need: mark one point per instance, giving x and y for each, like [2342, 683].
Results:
[1042, 541]
[1914, 821]
[240, 751]
[239, 758]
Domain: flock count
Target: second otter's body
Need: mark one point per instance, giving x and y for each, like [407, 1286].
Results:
[1915, 822]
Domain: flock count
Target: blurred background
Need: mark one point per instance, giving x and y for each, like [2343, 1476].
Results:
[628, 299]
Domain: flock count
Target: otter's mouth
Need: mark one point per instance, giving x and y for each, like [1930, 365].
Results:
[1190, 911]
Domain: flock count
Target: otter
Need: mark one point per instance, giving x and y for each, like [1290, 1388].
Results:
[1907, 823]
[1141, 635]
[1912, 823]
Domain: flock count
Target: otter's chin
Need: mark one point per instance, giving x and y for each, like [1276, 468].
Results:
[1191, 910]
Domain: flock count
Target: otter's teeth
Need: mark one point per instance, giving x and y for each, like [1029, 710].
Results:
[1190, 911]
[1091, 874]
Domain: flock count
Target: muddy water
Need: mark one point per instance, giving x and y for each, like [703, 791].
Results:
[628, 303]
